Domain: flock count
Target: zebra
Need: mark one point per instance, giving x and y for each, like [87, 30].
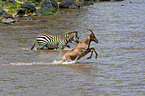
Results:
[51, 42]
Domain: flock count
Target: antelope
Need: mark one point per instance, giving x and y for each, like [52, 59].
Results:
[81, 49]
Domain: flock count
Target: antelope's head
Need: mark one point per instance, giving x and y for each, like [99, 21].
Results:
[92, 36]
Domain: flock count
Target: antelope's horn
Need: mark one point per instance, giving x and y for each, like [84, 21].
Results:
[91, 31]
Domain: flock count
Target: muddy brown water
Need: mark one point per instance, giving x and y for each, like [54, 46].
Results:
[118, 71]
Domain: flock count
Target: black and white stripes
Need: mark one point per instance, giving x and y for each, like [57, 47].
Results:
[50, 42]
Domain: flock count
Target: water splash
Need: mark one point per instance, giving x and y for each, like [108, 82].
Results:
[60, 62]
[32, 63]
[27, 49]
[55, 62]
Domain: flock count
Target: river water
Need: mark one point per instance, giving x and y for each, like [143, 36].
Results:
[118, 71]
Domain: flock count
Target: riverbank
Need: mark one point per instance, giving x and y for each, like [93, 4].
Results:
[10, 11]
[46, 7]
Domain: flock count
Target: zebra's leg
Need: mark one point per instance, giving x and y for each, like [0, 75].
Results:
[33, 44]
[41, 47]
[66, 46]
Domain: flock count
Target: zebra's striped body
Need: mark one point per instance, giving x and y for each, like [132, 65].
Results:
[50, 42]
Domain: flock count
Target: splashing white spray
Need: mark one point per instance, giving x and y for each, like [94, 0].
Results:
[55, 62]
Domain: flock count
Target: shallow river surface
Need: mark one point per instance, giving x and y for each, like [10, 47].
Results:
[119, 69]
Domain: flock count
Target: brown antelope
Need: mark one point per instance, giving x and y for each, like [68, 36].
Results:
[81, 49]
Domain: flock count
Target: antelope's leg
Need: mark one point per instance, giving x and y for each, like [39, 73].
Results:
[91, 50]
[78, 57]
[96, 54]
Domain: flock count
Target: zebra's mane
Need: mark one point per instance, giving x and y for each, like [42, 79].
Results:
[70, 32]
[69, 35]
[44, 34]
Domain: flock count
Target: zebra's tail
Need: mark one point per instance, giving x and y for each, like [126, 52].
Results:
[33, 45]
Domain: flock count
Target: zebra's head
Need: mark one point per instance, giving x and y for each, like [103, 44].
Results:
[73, 36]
[76, 37]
